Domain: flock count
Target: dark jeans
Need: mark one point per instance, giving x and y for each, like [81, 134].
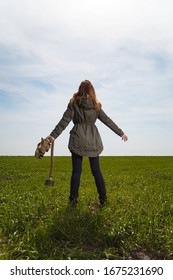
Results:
[76, 173]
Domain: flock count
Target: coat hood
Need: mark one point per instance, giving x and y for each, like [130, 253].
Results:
[86, 104]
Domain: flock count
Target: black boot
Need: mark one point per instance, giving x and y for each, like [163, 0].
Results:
[73, 201]
[103, 200]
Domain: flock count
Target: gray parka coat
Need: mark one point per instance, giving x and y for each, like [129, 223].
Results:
[84, 139]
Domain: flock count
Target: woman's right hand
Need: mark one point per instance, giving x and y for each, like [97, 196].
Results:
[124, 137]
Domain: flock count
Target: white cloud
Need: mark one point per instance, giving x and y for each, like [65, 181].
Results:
[124, 47]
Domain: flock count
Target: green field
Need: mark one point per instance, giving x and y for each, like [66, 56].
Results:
[36, 221]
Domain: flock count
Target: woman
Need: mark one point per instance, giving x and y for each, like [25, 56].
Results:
[84, 109]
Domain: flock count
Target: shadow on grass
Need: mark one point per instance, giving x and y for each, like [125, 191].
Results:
[76, 234]
[90, 233]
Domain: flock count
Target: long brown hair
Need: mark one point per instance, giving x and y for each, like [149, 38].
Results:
[86, 91]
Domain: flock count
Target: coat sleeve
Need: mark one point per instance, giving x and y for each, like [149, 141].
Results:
[108, 122]
[63, 123]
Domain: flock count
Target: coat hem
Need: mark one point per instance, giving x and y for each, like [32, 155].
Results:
[85, 153]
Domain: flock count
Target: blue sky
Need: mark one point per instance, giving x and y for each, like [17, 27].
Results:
[124, 47]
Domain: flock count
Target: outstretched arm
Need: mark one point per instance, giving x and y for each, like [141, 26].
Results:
[63, 123]
[108, 122]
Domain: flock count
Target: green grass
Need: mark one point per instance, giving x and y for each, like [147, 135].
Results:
[36, 221]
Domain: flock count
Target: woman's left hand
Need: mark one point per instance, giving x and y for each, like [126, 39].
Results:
[50, 138]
